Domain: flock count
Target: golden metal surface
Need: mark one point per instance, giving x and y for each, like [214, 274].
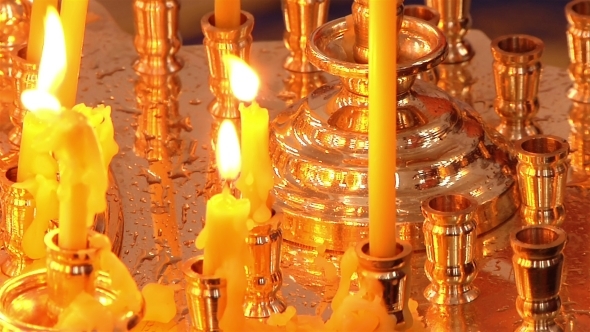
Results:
[24, 77]
[578, 17]
[300, 85]
[542, 177]
[14, 30]
[456, 79]
[455, 21]
[431, 16]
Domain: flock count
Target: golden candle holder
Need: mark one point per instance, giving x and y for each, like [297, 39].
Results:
[455, 21]
[542, 175]
[450, 240]
[393, 274]
[157, 38]
[206, 296]
[517, 73]
[24, 77]
[538, 267]
[431, 16]
[15, 28]
[577, 14]
[301, 19]
[264, 276]
[218, 43]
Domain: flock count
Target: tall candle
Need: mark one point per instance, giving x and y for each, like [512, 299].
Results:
[382, 127]
[37, 29]
[227, 14]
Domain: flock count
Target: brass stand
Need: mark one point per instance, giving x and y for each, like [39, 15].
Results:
[15, 19]
[578, 40]
[542, 176]
[431, 16]
[24, 77]
[455, 21]
[538, 266]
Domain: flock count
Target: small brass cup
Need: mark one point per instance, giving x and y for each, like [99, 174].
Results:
[577, 14]
[449, 237]
[24, 75]
[538, 266]
[455, 21]
[431, 16]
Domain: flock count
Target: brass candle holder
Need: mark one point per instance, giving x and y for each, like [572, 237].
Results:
[577, 14]
[218, 43]
[579, 140]
[24, 77]
[14, 21]
[517, 73]
[206, 296]
[449, 237]
[431, 16]
[455, 21]
[542, 175]
[538, 267]
[301, 18]
[264, 276]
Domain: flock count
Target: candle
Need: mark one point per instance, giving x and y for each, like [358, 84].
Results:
[37, 29]
[382, 127]
[100, 119]
[73, 15]
[256, 179]
[227, 14]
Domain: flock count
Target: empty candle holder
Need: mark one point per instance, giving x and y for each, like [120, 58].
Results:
[264, 275]
[542, 175]
[577, 14]
[449, 237]
[455, 21]
[301, 19]
[431, 16]
[24, 77]
[538, 266]
[517, 73]
[393, 274]
[206, 296]
[219, 43]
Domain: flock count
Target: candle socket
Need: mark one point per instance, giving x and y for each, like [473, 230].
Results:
[264, 275]
[517, 73]
[157, 38]
[24, 77]
[219, 43]
[431, 16]
[301, 18]
[577, 14]
[542, 175]
[394, 275]
[455, 21]
[449, 237]
[538, 266]
[206, 296]
[18, 211]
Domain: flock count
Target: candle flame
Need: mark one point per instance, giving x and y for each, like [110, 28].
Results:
[243, 80]
[227, 153]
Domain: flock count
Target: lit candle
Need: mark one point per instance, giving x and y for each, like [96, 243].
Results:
[227, 14]
[256, 179]
[382, 127]
[37, 29]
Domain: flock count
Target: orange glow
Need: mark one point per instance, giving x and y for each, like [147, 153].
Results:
[243, 80]
[228, 156]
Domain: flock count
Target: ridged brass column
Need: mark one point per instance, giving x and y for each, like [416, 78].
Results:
[577, 14]
[455, 21]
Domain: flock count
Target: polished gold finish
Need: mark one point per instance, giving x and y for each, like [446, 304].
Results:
[301, 18]
[206, 296]
[579, 141]
[431, 16]
[542, 177]
[457, 80]
[449, 237]
[18, 211]
[393, 274]
[577, 14]
[538, 266]
[264, 275]
[517, 73]
[157, 38]
[24, 75]
[14, 28]
[300, 85]
[218, 43]
[455, 21]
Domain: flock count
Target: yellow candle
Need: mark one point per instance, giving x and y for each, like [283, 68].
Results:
[227, 14]
[100, 119]
[37, 29]
[382, 127]
[73, 16]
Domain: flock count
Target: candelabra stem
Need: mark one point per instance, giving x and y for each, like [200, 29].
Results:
[577, 14]
[455, 21]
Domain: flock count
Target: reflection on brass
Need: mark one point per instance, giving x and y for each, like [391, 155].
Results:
[431, 16]
[456, 80]
[320, 147]
[452, 318]
[24, 75]
[455, 21]
[18, 211]
[538, 265]
[14, 27]
[580, 140]
[577, 14]
[542, 176]
[218, 43]
[264, 276]
[206, 296]
[449, 237]
[393, 274]
[300, 85]
[157, 38]
[517, 73]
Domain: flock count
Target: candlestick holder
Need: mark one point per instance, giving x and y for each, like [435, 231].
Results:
[431, 16]
[14, 21]
[577, 14]
[542, 176]
[218, 43]
[264, 275]
[456, 79]
[538, 266]
[301, 18]
[449, 237]
[517, 73]
[157, 38]
[393, 274]
[24, 75]
[455, 21]
[300, 85]
[206, 296]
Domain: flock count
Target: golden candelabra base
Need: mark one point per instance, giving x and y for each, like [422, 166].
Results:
[24, 75]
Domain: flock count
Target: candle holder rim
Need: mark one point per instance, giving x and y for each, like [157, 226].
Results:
[190, 272]
[19, 54]
[246, 20]
[571, 13]
[435, 14]
[372, 263]
[51, 242]
[535, 53]
[559, 153]
[545, 249]
[426, 205]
